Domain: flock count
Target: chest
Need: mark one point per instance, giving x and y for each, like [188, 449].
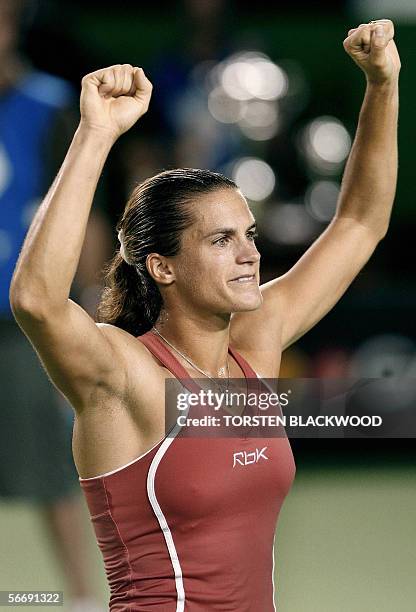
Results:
[223, 478]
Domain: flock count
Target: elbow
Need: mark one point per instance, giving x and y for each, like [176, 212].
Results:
[385, 230]
[382, 225]
[382, 231]
[25, 305]
[375, 230]
[30, 306]
[378, 228]
[31, 299]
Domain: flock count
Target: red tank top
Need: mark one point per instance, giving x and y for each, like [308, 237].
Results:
[186, 527]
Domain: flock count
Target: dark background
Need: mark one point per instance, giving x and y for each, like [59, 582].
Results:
[70, 39]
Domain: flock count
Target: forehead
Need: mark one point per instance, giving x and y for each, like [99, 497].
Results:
[221, 208]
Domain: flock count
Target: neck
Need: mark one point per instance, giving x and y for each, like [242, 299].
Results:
[204, 341]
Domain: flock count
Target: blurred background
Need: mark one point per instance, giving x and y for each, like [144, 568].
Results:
[266, 95]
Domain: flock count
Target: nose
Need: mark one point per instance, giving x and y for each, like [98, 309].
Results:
[248, 253]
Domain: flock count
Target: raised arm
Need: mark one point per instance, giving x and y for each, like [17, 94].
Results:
[76, 353]
[296, 301]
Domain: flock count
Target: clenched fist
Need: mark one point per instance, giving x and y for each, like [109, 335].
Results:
[372, 47]
[114, 98]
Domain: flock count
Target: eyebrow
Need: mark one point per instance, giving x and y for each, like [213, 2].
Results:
[229, 231]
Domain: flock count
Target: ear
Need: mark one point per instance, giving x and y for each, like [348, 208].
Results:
[160, 269]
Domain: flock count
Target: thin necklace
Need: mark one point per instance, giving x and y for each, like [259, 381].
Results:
[193, 364]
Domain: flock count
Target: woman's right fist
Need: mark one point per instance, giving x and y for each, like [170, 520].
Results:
[114, 98]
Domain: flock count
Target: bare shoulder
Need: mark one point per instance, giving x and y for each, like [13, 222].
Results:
[119, 338]
[145, 375]
[143, 371]
[131, 352]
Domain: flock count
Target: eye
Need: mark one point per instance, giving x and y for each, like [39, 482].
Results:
[222, 241]
[252, 235]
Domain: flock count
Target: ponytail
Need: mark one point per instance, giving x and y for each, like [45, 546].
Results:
[131, 299]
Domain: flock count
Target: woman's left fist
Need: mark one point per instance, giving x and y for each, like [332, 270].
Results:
[373, 49]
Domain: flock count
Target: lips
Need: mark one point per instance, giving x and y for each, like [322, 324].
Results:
[244, 278]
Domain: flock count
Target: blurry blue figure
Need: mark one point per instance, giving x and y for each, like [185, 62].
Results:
[36, 462]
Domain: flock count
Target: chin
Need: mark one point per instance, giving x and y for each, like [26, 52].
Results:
[248, 304]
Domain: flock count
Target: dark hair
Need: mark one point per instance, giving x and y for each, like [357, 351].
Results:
[154, 218]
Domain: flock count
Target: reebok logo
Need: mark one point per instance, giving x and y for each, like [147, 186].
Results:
[245, 458]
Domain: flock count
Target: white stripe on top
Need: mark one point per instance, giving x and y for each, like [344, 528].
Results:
[180, 601]
[123, 466]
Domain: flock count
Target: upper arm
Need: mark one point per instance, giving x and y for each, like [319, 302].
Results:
[295, 302]
[322, 275]
[78, 354]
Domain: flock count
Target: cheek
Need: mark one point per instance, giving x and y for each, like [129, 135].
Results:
[190, 272]
[203, 276]
[216, 269]
[204, 263]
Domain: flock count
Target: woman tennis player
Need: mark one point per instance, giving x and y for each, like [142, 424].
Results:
[188, 524]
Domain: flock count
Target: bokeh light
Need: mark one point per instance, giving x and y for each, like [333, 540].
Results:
[321, 199]
[29, 211]
[325, 144]
[254, 177]
[383, 355]
[5, 169]
[223, 108]
[245, 89]
[289, 224]
[386, 362]
[259, 120]
[253, 75]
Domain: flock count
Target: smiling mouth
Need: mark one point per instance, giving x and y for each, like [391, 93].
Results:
[246, 278]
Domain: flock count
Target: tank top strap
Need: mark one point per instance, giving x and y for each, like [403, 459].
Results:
[244, 365]
[252, 380]
[158, 348]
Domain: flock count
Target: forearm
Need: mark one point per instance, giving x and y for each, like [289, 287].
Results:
[369, 182]
[49, 258]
